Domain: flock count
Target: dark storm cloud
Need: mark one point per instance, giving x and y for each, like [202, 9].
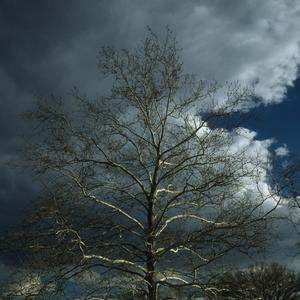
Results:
[47, 46]
[15, 192]
[30, 30]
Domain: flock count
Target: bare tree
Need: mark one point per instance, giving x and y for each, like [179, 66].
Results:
[260, 281]
[144, 185]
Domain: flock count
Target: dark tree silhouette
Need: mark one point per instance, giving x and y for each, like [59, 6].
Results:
[260, 281]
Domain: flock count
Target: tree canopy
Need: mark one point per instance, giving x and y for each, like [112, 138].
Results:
[147, 186]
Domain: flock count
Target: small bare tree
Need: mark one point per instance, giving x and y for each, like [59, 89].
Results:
[145, 184]
[261, 281]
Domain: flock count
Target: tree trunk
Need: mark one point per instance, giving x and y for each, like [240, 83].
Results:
[152, 285]
[152, 293]
[151, 251]
[151, 259]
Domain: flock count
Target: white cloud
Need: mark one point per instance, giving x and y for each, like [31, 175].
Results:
[257, 156]
[254, 161]
[256, 42]
[282, 151]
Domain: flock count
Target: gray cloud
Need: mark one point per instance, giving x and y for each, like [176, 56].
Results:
[52, 44]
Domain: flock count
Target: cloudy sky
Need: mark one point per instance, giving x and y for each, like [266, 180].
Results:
[49, 46]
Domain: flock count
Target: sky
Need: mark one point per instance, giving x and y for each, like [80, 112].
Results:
[49, 46]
